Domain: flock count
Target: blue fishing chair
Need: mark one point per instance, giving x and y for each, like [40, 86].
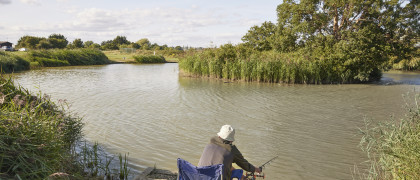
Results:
[187, 171]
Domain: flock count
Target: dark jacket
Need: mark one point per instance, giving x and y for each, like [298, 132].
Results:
[217, 152]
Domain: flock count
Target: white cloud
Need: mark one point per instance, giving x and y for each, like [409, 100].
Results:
[31, 2]
[5, 1]
[194, 26]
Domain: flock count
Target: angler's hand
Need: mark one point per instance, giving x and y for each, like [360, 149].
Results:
[258, 169]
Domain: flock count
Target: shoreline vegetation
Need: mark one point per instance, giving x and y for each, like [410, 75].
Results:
[39, 140]
[21, 61]
[319, 43]
[393, 146]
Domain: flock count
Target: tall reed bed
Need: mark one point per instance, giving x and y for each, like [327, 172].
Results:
[39, 140]
[393, 147]
[11, 63]
[149, 59]
[66, 57]
[233, 63]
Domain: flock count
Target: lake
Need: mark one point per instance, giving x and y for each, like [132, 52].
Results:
[156, 116]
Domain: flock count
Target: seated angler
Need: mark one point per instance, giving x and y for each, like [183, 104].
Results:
[221, 151]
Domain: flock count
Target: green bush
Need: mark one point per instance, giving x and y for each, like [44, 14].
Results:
[149, 59]
[11, 63]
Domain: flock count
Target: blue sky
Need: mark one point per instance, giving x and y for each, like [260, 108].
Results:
[184, 22]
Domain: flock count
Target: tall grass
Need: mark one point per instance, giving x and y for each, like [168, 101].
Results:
[232, 63]
[11, 63]
[38, 140]
[393, 148]
[149, 59]
[36, 137]
[64, 57]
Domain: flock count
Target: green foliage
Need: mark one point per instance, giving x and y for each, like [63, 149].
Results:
[46, 62]
[242, 63]
[352, 41]
[149, 59]
[12, 63]
[36, 137]
[38, 140]
[259, 37]
[68, 57]
[44, 44]
[109, 45]
[144, 43]
[53, 41]
[120, 40]
[77, 43]
[393, 147]
[388, 29]
[134, 45]
[87, 44]
[57, 41]
[28, 42]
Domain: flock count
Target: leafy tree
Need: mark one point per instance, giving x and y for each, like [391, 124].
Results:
[144, 43]
[119, 40]
[134, 45]
[78, 43]
[91, 44]
[57, 41]
[179, 48]
[95, 46]
[28, 42]
[401, 26]
[258, 36]
[57, 36]
[44, 44]
[309, 19]
[109, 45]
[87, 44]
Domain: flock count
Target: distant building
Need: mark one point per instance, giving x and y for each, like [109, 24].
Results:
[6, 46]
[5, 43]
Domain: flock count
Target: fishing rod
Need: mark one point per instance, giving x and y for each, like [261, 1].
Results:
[253, 176]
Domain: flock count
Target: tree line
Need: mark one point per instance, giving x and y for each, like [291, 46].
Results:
[59, 41]
[381, 32]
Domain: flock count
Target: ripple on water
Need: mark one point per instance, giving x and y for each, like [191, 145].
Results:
[157, 116]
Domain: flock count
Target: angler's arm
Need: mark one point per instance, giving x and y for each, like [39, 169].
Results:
[241, 161]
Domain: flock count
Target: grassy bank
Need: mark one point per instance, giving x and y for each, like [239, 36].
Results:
[67, 57]
[127, 57]
[149, 59]
[237, 63]
[38, 140]
[10, 62]
[393, 148]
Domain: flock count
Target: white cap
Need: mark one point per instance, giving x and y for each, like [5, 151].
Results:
[227, 133]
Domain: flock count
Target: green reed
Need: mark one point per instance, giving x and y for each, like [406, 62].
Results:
[38, 140]
[393, 147]
[149, 59]
[124, 170]
[36, 137]
[65, 57]
[302, 66]
[11, 63]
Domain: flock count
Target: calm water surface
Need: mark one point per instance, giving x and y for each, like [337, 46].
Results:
[157, 116]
